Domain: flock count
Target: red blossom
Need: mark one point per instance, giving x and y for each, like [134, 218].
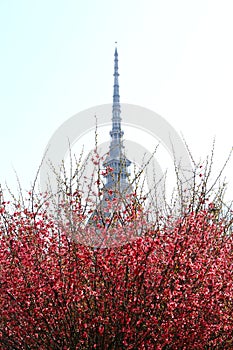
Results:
[169, 288]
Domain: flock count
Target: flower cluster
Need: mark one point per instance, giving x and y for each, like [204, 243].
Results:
[171, 287]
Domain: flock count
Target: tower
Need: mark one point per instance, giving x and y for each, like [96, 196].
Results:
[117, 180]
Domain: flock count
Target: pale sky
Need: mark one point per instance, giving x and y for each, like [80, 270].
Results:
[175, 57]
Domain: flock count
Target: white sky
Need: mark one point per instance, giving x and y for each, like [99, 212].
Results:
[175, 57]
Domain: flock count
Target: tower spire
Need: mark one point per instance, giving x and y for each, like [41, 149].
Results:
[117, 180]
[116, 131]
[116, 159]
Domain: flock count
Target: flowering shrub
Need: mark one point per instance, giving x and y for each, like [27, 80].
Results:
[171, 287]
[89, 277]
